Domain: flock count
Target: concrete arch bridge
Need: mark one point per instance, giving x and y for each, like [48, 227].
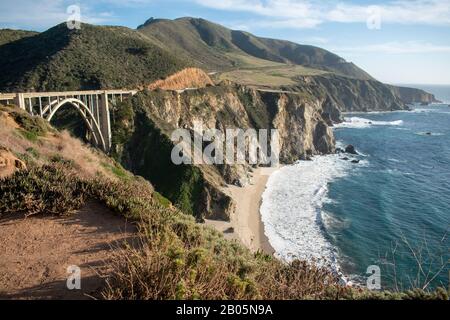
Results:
[93, 106]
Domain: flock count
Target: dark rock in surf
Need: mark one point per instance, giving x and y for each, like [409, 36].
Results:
[355, 161]
[350, 149]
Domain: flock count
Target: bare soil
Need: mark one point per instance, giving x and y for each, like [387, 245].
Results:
[35, 253]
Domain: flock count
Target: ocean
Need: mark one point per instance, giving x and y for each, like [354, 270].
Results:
[391, 210]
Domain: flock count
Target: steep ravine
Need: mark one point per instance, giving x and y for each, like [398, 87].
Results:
[143, 126]
[302, 115]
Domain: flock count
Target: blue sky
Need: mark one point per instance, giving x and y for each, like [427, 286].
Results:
[397, 41]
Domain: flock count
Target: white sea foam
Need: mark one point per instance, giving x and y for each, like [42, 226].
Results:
[357, 122]
[429, 133]
[440, 110]
[422, 110]
[292, 209]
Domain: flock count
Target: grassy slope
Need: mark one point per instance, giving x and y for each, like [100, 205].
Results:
[9, 35]
[215, 47]
[269, 76]
[93, 57]
[179, 259]
[247, 59]
[33, 140]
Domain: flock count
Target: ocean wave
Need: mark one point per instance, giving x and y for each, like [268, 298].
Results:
[292, 209]
[359, 123]
[421, 110]
[440, 110]
[429, 134]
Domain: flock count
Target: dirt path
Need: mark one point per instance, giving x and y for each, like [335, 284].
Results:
[35, 253]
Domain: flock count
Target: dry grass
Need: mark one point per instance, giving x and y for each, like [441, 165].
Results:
[40, 146]
[269, 76]
[187, 78]
[179, 258]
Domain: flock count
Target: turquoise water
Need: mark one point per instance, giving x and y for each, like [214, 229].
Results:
[392, 209]
[397, 200]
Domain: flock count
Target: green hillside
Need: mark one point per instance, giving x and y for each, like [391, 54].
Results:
[215, 47]
[176, 258]
[9, 35]
[93, 57]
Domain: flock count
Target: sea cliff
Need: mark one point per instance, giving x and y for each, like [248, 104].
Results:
[143, 142]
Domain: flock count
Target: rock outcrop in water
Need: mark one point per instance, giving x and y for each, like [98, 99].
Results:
[350, 149]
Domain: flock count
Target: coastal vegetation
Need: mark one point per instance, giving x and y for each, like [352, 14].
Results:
[245, 82]
[104, 57]
[177, 258]
[92, 57]
[214, 47]
[9, 35]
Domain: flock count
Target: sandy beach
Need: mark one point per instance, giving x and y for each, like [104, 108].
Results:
[246, 224]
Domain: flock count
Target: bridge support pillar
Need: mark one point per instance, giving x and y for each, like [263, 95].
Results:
[19, 101]
[104, 121]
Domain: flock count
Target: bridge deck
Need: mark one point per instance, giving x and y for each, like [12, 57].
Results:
[11, 96]
[7, 96]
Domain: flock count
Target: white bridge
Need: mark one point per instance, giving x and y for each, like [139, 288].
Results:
[92, 105]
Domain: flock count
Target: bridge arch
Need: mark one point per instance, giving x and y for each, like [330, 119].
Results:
[87, 115]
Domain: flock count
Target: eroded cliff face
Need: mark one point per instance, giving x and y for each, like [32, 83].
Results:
[145, 145]
[412, 95]
[345, 94]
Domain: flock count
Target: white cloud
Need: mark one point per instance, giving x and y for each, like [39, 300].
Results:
[316, 40]
[409, 47]
[41, 14]
[311, 13]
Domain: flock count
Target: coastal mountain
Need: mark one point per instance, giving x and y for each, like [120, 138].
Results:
[93, 57]
[62, 186]
[253, 83]
[258, 62]
[215, 47]
[101, 57]
[244, 82]
[412, 95]
[9, 35]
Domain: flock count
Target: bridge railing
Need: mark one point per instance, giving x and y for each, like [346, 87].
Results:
[93, 106]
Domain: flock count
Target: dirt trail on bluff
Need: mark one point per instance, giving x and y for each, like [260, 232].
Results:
[36, 252]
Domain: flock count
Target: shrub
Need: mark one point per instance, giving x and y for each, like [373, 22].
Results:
[48, 190]
[176, 258]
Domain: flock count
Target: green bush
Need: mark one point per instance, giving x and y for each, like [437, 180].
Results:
[49, 190]
[177, 258]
